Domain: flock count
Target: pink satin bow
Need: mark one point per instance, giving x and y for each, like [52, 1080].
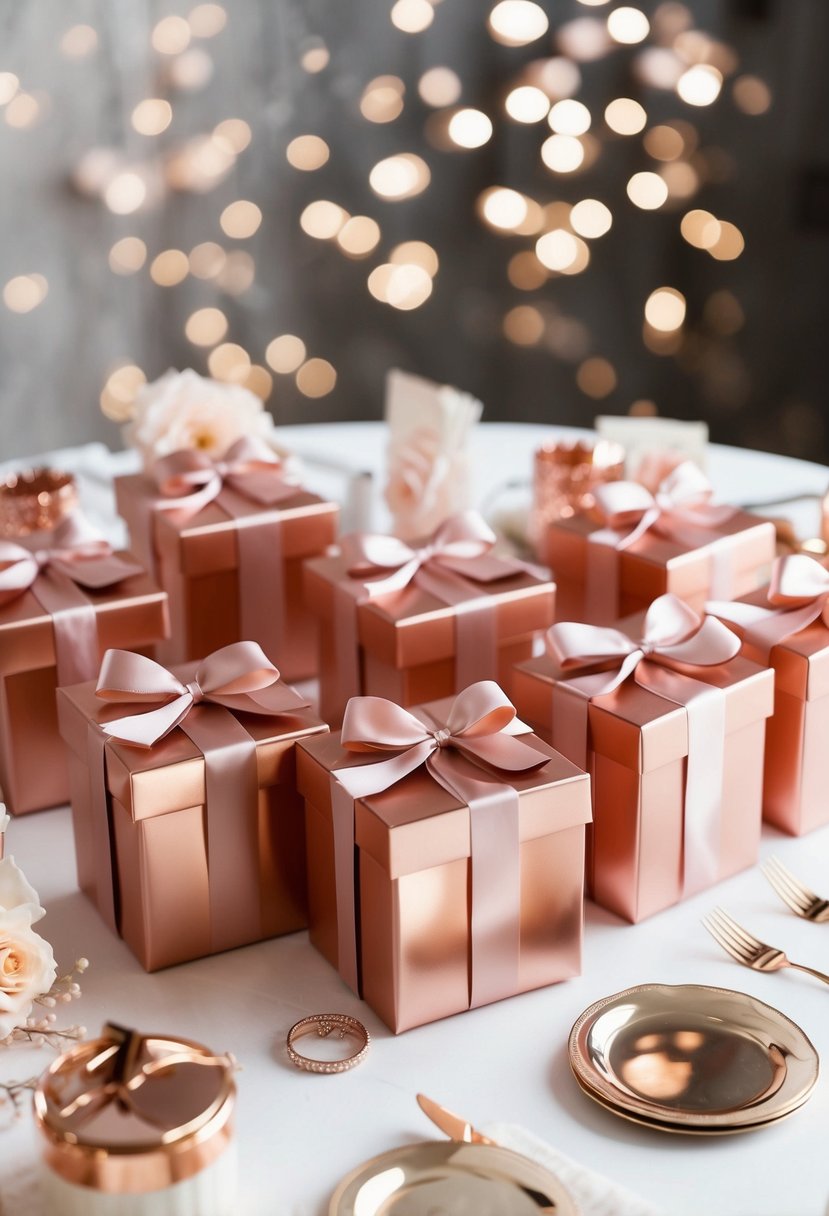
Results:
[460, 546]
[673, 633]
[239, 677]
[682, 500]
[481, 726]
[78, 551]
[799, 595]
[189, 479]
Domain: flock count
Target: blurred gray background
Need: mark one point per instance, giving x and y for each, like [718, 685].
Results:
[78, 178]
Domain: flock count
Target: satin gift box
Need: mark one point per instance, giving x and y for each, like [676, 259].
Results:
[616, 560]
[131, 614]
[408, 875]
[197, 559]
[405, 645]
[142, 828]
[796, 648]
[635, 744]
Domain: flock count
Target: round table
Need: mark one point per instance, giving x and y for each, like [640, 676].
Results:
[300, 1132]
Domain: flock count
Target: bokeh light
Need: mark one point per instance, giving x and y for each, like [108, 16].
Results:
[127, 255]
[206, 326]
[628, 25]
[439, 87]
[399, 177]
[700, 85]
[562, 153]
[285, 353]
[665, 309]
[307, 152]
[470, 128]
[316, 378]
[625, 116]
[527, 104]
[25, 292]
[240, 219]
[591, 218]
[412, 16]
[647, 190]
[517, 22]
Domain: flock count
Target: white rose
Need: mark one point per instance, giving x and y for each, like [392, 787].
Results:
[17, 892]
[27, 967]
[186, 410]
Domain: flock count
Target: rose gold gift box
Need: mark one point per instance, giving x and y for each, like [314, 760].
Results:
[654, 565]
[196, 560]
[155, 844]
[408, 639]
[637, 749]
[413, 873]
[796, 773]
[33, 769]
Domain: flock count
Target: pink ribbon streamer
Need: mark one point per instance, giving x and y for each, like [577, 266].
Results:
[250, 470]
[479, 735]
[79, 557]
[681, 509]
[447, 567]
[237, 678]
[673, 633]
[799, 595]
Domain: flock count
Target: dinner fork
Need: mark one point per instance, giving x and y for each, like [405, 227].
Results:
[749, 950]
[803, 901]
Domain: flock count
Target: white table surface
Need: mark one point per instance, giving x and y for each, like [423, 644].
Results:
[300, 1133]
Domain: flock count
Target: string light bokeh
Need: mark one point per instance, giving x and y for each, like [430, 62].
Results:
[587, 140]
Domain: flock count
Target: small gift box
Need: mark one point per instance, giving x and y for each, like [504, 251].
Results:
[188, 828]
[672, 736]
[65, 597]
[445, 854]
[227, 540]
[634, 546]
[417, 624]
[785, 626]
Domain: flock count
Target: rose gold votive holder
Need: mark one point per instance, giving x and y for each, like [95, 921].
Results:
[565, 475]
[35, 500]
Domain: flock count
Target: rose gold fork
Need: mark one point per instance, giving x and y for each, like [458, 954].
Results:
[749, 950]
[802, 901]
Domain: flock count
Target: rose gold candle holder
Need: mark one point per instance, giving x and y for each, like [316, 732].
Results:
[35, 500]
[565, 475]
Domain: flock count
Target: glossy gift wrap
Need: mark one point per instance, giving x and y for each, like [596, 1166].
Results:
[189, 831]
[445, 854]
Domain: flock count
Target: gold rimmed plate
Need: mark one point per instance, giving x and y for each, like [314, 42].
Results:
[691, 1057]
[450, 1176]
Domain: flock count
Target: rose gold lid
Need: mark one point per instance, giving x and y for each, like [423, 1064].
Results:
[128, 1113]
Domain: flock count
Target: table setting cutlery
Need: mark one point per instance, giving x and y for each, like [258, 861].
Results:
[747, 949]
[802, 900]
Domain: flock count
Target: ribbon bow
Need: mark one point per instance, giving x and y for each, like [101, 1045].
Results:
[673, 633]
[481, 726]
[190, 479]
[77, 550]
[238, 677]
[460, 546]
[682, 501]
[799, 595]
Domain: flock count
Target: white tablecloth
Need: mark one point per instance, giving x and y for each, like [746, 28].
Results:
[300, 1133]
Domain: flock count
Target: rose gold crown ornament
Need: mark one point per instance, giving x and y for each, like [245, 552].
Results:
[138, 1125]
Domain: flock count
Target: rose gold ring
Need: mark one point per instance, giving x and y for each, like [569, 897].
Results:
[324, 1024]
[35, 500]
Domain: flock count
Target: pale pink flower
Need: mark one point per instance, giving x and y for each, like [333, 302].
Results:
[425, 485]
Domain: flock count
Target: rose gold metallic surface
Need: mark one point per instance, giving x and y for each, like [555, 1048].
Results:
[128, 1113]
[35, 500]
[323, 1025]
[747, 949]
[796, 895]
[564, 478]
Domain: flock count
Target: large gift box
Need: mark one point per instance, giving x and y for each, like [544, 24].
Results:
[65, 597]
[672, 736]
[634, 546]
[227, 541]
[785, 626]
[414, 624]
[445, 854]
[188, 828]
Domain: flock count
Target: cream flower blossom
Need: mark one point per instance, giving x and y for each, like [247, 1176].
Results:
[27, 964]
[186, 410]
[425, 484]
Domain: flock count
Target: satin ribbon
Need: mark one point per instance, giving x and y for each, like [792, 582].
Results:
[237, 678]
[798, 594]
[447, 567]
[681, 510]
[478, 736]
[248, 472]
[78, 557]
[673, 633]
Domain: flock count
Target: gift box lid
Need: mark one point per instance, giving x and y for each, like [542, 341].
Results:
[417, 824]
[641, 729]
[205, 543]
[800, 661]
[643, 565]
[170, 776]
[411, 626]
[129, 614]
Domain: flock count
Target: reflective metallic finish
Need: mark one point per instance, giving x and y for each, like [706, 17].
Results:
[801, 899]
[747, 949]
[692, 1058]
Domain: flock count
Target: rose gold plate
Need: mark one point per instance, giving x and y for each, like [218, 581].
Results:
[691, 1058]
